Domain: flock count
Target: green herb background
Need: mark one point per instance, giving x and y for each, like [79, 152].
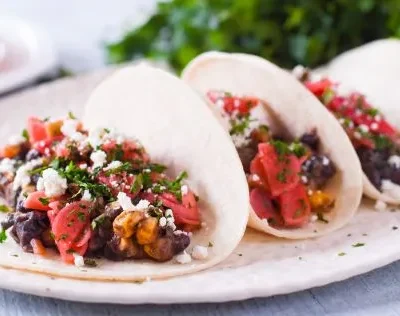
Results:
[287, 32]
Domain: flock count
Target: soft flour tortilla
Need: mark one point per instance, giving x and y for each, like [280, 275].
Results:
[291, 110]
[178, 130]
[372, 69]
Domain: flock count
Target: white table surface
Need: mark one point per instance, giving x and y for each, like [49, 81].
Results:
[78, 28]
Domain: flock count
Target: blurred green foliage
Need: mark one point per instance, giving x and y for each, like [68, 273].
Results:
[287, 32]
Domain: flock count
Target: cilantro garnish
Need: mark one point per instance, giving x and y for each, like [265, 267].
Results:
[322, 218]
[359, 244]
[298, 149]
[107, 130]
[38, 170]
[71, 115]
[210, 244]
[44, 201]
[117, 153]
[155, 167]
[327, 96]
[372, 112]
[126, 166]
[25, 134]
[281, 176]
[239, 125]
[174, 186]
[63, 237]
[3, 236]
[381, 141]
[81, 216]
[341, 254]
[98, 221]
[4, 208]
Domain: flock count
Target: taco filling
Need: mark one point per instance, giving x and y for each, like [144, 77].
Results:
[286, 177]
[376, 141]
[92, 194]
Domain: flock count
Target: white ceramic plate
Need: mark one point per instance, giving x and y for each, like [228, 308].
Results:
[26, 53]
[260, 266]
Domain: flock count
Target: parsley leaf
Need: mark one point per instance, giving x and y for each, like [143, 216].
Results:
[341, 254]
[239, 125]
[98, 221]
[90, 262]
[137, 184]
[71, 115]
[126, 166]
[359, 244]
[3, 236]
[44, 201]
[25, 134]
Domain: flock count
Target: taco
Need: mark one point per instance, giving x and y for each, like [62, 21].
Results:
[80, 195]
[375, 140]
[303, 182]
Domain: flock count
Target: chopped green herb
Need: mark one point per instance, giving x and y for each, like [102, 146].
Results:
[117, 153]
[4, 208]
[46, 119]
[90, 262]
[210, 244]
[321, 218]
[107, 130]
[298, 149]
[44, 201]
[71, 115]
[3, 236]
[38, 170]
[63, 237]
[25, 134]
[359, 244]
[70, 251]
[126, 166]
[174, 186]
[52, 235]
[157, 167]
[381, 141]
[81, 216]
[239, 125]
[327, 96]
[373, 112]
[98, 221]
[341, 254]
[281, 176]
[15, 255]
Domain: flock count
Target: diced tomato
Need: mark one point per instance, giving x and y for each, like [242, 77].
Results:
[318, 88]
[256, 168]
[185, 213]
[36, 130]
[261, 202]
[246, 104]
[37, 246]
[295, 206]
[130, 150]
[33, 201]
[231, 103]
[282, 171]
[385, 128]
[42, 145]
[71, 228]
[118, 182]
[214, 95]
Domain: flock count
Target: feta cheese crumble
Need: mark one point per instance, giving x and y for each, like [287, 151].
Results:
[142, 205]
[298, 71]
[325, 161]
[86, 196]
[52, 183]
[94, 137]
[184, 189]
[7, 165]
[200, 252]
[16, 140]
[313, 218]
[99, 158]
[394, 161]
[113, 165]
[255, 177]
[78, 260]
[125, 201]
[380, 205]
[183, 258]
[162, 222]
[363, 128]
[391, 189]
[22, 176]
[69, 127]
[374, 126]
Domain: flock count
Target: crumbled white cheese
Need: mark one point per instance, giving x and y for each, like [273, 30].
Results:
[391, 189]
[16, 140]
[99, 158]
[358, 112]
[343, 90]
[172, 226]
[78, 137]
[394, 161]
[53, 183]
[309, 192]
[255, 177]
[86, 196]
[184, 189]
[298, 71]
[363, 128]
[40, 184]
[147, 170]
[380, 205]
[183, 258]
[162, 222]
[378, 118]
[357, 135]
[169, 213]
[78, 260]
[22, 176]
[315, 77]
[83, 166]
[95, 137]
[125, 201]
[142, 205]
[113, 165]
[69, 127]
[313, 218]
[325, 161]
[7, 165]
[304, 179]
[374, 126]
[200, 252]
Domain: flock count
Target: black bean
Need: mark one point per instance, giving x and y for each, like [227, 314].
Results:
[311, 140]
[247, 154]
[32, 154]
[318, 169]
